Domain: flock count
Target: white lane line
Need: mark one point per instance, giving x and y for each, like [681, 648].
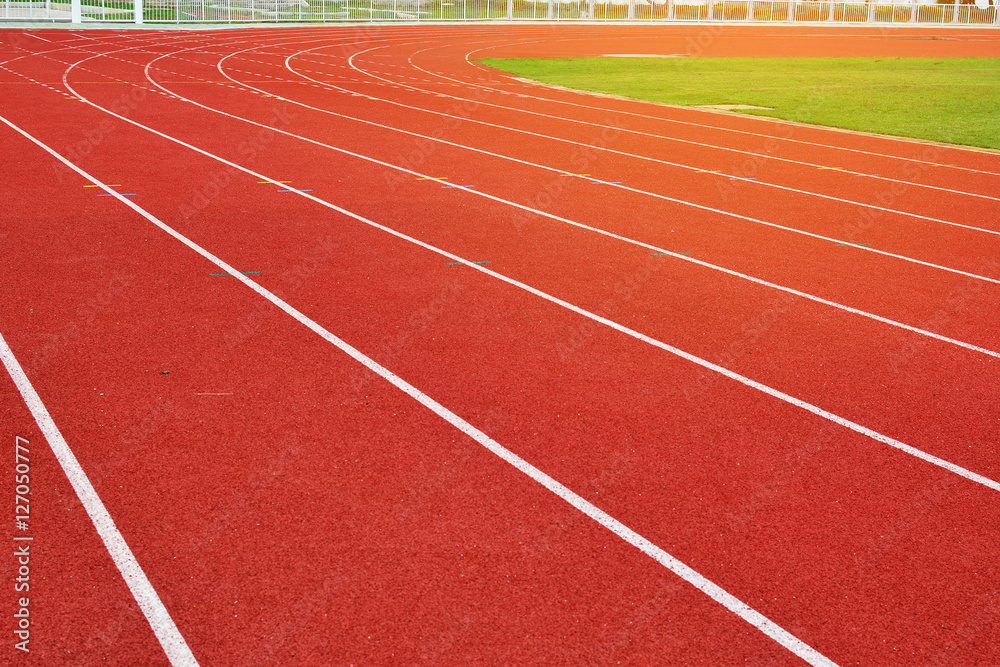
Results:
[145, 595]
[759, 281]
[694, 205]
[737, 274]
[640, 133]
[664, 197]
[612, 151]
[716, 127]
[913, 451]
[714, 591]
[685, 141]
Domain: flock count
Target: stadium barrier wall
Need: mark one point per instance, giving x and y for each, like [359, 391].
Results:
[984, 13]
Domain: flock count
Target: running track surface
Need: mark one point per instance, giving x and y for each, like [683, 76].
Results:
[500, 354]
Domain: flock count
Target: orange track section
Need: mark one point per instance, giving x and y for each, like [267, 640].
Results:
[290, 506]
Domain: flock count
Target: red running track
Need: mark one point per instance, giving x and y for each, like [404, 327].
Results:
[513, 375]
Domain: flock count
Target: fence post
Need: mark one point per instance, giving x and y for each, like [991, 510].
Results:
[75, 15]
[914, 11]
[631, 9]
[551, 10]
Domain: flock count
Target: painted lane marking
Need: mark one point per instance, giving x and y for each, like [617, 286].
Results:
[704, 264]
[660, 136]
[641, 157]
[985, 481]
[123, 194]
[732, 375]
[452, 185]
[455, 263]
[246, 273]
[712, 590]
[540, 166]
[717, 128]
[142, 590]
[294, 190]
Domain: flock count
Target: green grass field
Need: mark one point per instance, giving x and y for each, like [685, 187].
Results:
[954, 100]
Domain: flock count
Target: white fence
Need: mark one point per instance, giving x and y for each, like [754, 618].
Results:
[409, 11]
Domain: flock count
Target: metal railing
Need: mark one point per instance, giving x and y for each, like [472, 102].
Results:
[415, 11]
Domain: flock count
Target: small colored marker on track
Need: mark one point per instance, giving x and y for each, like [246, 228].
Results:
[456, 263]
[245, 273]
[432, 178]
[121, 194]
[102, 186]
[457, 186]
[839, 245]
[683, 252]
[295, 190]
[269, 182]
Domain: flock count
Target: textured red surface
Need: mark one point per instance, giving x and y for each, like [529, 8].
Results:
[290, 506]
